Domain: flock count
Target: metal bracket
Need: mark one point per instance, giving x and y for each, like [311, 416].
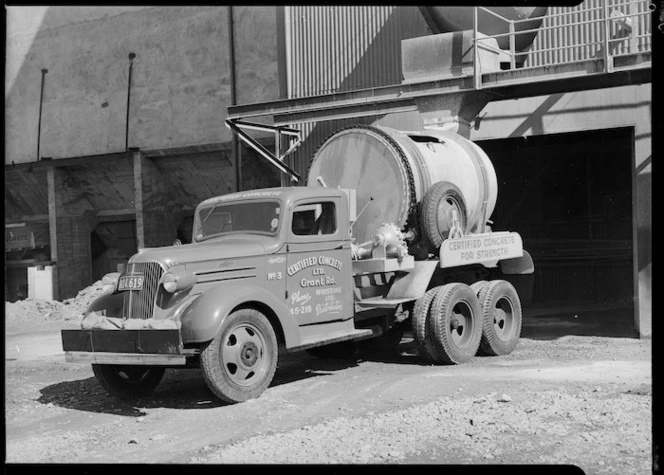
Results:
[455, 231]
[277, 158]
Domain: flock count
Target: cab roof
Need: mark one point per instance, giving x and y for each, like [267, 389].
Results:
[283, 194]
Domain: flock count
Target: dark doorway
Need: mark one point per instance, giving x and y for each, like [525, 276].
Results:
[570, 198]
[112, 243]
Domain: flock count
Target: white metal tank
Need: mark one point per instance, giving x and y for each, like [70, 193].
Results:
[392, 171]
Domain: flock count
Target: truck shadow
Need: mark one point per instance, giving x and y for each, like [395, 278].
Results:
[180, 388]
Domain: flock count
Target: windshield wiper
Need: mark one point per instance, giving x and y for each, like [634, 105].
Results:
[210, 213]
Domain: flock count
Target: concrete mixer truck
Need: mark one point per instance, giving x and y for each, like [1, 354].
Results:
[391, 232]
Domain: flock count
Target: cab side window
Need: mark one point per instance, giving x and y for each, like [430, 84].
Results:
[314, 219]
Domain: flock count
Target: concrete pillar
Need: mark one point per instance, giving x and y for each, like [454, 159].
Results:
[642, 218]
[158, 214]
[71, 220]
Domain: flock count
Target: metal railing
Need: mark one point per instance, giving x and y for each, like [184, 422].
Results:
[595, 29]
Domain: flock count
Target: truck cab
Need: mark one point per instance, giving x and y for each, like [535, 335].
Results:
[283, 255]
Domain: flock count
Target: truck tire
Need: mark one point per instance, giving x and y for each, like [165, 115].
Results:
[478, 286]
[436, 213]
[128, 381]
[240, 362]
[455, 321]
[501, 318]
[420, 319]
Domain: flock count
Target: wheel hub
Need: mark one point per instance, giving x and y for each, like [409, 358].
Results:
[499, 319]
[249, 353]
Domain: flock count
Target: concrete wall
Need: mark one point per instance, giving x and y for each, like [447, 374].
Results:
[180, 81]
[628, 106]
[256, 54]
[72, 218]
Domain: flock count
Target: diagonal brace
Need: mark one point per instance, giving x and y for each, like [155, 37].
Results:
[277, 159]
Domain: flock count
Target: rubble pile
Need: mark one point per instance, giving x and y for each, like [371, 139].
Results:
[37, 314]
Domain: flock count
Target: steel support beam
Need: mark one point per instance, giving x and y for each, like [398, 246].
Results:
[276, 159]
[521, 83]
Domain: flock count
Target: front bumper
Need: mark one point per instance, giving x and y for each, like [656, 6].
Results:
[148, 347]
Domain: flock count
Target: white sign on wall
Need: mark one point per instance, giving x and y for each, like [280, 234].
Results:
[19, 238]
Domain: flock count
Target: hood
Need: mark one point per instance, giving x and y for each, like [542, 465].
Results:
[225, 247]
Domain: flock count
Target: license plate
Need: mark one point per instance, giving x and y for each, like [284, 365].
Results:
[130, 282]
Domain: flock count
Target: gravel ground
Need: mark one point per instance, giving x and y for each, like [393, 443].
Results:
[489, 429]
[581, 400]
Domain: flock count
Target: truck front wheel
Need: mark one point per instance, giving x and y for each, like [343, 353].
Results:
[240, 362]
[502, 317]
[128, 381]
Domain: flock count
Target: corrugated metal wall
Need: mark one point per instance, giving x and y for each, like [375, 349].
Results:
[342, 48]
[577, 33]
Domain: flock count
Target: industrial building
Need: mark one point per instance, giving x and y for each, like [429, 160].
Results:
[115, 126]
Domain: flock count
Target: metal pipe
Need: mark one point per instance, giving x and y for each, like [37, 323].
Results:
[476, 57]
[235, 144]
[512, 41]
[41, 103]
[263, 151]
[131, 66]
[608, 61]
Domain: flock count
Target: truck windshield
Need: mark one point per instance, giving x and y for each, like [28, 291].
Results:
[225, 218]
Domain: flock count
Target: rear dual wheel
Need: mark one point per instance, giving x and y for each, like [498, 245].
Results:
[501, 317]
[447, 324]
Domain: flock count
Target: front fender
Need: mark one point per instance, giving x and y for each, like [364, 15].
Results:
[202, 319]
[111, 304]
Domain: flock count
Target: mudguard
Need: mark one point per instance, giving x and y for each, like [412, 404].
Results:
[202, 319]
[111, 304]
[414, 283]
[518, 265]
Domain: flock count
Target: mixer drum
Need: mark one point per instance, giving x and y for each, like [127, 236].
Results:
[392, 170]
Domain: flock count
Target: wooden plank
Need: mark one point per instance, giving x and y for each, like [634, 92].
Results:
[52, 228]
[125, 359]
[138, 200]
[117, 214]
[36, 218]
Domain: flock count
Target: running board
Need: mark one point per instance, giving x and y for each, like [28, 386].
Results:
[380, 302]
[333, 338]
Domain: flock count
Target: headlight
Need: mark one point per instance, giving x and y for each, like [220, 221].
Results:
[178, 280]
[109, 283]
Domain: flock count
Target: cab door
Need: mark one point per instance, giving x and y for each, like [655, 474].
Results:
[318, 268]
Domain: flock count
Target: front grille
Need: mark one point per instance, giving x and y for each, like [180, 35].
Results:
[140, 303]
